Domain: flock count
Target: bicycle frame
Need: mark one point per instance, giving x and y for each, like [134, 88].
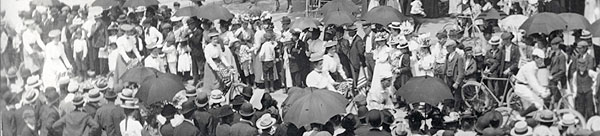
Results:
[501, 101]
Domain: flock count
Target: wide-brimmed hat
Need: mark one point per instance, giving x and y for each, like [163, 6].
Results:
[101, 85]
[201, 99]
[126, 94]
[545, 116]
[122, 18]
[126, 27]
[168, 111]
[247, 110]
[29, 22]
[32, 82]
[556, 40]
[507, 36]
[330, 44]
[212, 34]
[78, 100]
[247, 91]
[51, 96]
[585, 34]
[190, 91]
[31, 96]
[315, 57]
[110, 94]
[265, 121]
[521, 129]
[140, 9]
[539, 53]
[130, 104]
[568, 119]
[216, 96]
[381, 36]
[285, 19]
[94, 95]
[350, 28]
[495, 40]
[188, 106]
[395, 25]
[175, 19]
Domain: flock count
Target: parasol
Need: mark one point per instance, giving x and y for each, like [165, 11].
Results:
[158, 89]
[339, 5]
[384, 15]
[139, 74]
[137, 3]
[106, 3]
[492, 14]
[214, 12]
[575, 21]
[303, 23]
[338, 18]
[47, 3]
[316, 106]
[543, 23]
[512, 22]
[595, 28]
[424, 89]
[187, 11]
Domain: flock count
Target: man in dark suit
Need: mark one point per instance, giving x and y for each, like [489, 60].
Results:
[201, 116]
[187, 128]
[49, 113]
[470, 63]
[109, 115]
[375, 119]
[511, 55]
[558, 67]
[356, 54]
[455, 70]
[245, 127]
[492, 62]
[197, 53]
[298, 60]
[403, 71]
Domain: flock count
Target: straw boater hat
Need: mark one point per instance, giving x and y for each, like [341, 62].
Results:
[94, 95]
[126, 94]
[190, 91]
[315, 57]
[110, 94]
[140, 9]
[122, 18]
[330, 44]
[593, 123]
[539, 53]
[101, 85]
[28, 22]
[77, 100]
[130, 104]
[568, 119]
[73, 87]
[545, 116]
[350, 28]
[521, 129]
[126, 27]
[176, 19]
[495, 40]
[265, 121]
[201, 99]
[11, 72]
[30, 96]
[395, 25]
[585, 34]
[216, 96]
[33, 82]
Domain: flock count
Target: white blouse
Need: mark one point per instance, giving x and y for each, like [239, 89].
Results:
[212, 51]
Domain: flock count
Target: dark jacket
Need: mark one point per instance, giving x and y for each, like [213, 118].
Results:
[471, 68]
[376, 132]
[223, 130]
[492, 61]
[187, 129]
[9, 122]
[514, 59]
[558, 67]
[109, 117]
[357, 53]
[203, 120]
[455, 68]
[298, 59]
[75, 123]
[28, 132]
[48, 116]
[167, 129]
[195, 42]
[243, 128]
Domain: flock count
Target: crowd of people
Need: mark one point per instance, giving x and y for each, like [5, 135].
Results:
[62, 68]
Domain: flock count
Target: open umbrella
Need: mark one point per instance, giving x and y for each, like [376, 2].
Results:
[595, 28]
[106, 3]
[492, 14]
[316, 106]
[575, 21]
[543, 23]
[138, 74]
[512, 22]
[303, 23]
[339, 5]
[137, 3]
[338, 18]
[158, 89]
[214, 12]
[294, 94]
[188, 11]
[424, 89]
[165, 75]
[384, 15]
[47, 3]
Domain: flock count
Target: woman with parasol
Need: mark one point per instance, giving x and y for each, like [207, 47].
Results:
[129, 56]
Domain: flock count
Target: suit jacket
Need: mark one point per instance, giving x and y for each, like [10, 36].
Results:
[243, 128]
[203, 120]
[109, 117]
[167, 129]
[455, 69]
[298, 59]
[404, 70]
[362, 130]
[471, 67]
[75, 124]
[492, 61]
[223, 130]
[558, 67]
[195, 43]
[187, 129]
[9, 122]
[377, 132]
[48, 116]
[28, 132]
[515, 55]
[344, 55]
[357, 53]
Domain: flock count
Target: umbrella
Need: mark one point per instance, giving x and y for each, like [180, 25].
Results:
[303, 23]
[575, 21]
[512, 22]
[158, 89]
[424, 89]
[106, 3]
[338, 18]
[166, 75]
[139, 74]
[543, 23]
[492, 14]
[214, 12]
[384, 15]
[294, 94]
[316, 106]
[339, 5]
[47, 3]
[137, 3]
[187, 11]
[595, 28]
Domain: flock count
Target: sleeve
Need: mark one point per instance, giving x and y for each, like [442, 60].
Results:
[559, 72]
[158, 35]
[209, 59]
[340, 69]
[427, 63]
[39, 41]
[460, 64]
[92, 123]
[63, 55]
[59, 123]
[530, 76]
[405, 64]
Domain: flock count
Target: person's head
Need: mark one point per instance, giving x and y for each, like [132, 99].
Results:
[54, 35]
[555, 43]
[582, 46]
[315, 33]
[285, 22]
[213, 37]
[450, 45]
[176, 5]
[539, 56]
[386, 82]
[469, 51]
[381, 39]
[494, 42]
[296, 35]
[506, 38]
[351, 30]
[29, 117]
[269, 37]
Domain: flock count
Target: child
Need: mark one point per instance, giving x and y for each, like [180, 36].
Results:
[184, 63]
[267, 56]
[170, 50]
[417, 12]
[245, 55]
[79, 52]
[583, 81]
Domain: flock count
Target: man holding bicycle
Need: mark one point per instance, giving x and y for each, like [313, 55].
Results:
[527, 85]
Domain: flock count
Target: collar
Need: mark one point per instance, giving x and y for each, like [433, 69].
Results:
[246, 121]
[190, 121]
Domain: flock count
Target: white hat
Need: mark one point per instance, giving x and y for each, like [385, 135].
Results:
[568, 119]
[395, 25]
[30, 96]
[176, 19]
[594, 123]
[532, 1]
[216, 96]
[538, 52]
[140, 9]
[521, 129]
[265, 121]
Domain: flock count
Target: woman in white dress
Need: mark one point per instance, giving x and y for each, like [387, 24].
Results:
[128, 54]
[319, 78]
[215, 61]
[381, 55]
[425, 62]
[55, 62]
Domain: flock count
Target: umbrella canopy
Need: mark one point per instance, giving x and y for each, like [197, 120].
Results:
[492, 14]
[187, 11]
[543, 23]
[106, 3]
[424, 89]
[575, 21]
[158, 89]
[139, 74]
[214, 12]
[512, 22]
[339, 5]
[294, 94]
[338, 18]
[47, 3]
[303, 23]
[384, 15]
[595, 28]
[316, 106]
[165, 75]
[137, 3]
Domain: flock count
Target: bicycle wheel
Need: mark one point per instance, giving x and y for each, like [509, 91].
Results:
[513, 101]
[563, 103]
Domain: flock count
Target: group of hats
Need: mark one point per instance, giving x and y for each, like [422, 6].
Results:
[130, 102]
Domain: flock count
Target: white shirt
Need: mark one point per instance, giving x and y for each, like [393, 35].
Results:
[528, 74]
[507, 53]
[416, 7]
[319, 80]
[267, 51]
[369, 42]
[155, 63]
[131, 127]
[80, 45]
[425, 66]
[316, 46]
[113, 57]
[153, 37]
[171, 52]
[332, 64]
[214, 51]
[31, 37]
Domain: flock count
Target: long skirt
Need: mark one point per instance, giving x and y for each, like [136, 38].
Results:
[120, 69]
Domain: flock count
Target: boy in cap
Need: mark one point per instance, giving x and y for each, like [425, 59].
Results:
[109, 115]
[558, 66]
[510, 60]
[454, 70]
[298, 59]
[202, 116]
[267, 55]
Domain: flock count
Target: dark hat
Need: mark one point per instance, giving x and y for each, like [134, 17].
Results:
[188, 106]
[492, 132]
[362, 112]
[224, 111]
[388, 118]
[351, 28]
[506, 36]
[168, 111]
[201, 99]
[374, 118]
[190, 92]
[110, 94]
[247, 91]
[238, 100]
[78, 100]
[51, 95]
[484, 121]
[556, 40]
[285, 20]
[246, 109]
[468, 48]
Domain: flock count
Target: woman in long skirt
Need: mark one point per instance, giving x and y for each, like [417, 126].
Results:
[56, 62]
[128, 54]
[215, 62]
